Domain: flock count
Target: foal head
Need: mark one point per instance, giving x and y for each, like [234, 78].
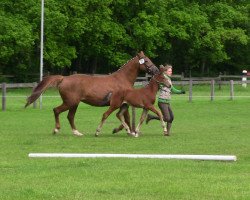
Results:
[146, 64]
[161, 79]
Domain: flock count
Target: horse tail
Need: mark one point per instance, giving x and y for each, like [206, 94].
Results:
[49, 81]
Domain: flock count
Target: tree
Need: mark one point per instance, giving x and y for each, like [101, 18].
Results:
[98, 36]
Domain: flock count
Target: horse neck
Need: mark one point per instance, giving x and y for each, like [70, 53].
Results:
[153, 86]
[130, 70]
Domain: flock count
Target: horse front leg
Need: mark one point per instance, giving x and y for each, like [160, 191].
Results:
[158, 113]
[104, 117]
[143, 116]
[57, 111]
[71, 118]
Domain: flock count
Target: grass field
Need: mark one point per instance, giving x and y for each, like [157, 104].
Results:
[200, 127]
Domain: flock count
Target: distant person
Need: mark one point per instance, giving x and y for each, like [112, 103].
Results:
[164, 100]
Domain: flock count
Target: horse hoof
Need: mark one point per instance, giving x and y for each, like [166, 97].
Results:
[96, 134]
[133, 134]
[166, 134]
[114, 130]
[55, 131]
[136, 135]
[77, 133]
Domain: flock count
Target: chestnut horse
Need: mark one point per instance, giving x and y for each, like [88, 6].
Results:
[139, 98]
[93, 90]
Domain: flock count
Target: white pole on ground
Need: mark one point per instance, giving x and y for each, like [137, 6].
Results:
[41, 48]
[159, 156]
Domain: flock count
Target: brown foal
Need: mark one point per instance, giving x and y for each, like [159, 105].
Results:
[139, 98]
[93, 90]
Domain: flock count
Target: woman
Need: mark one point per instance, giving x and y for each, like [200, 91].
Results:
[164, 100]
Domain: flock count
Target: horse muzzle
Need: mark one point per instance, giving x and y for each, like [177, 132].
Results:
[154, 70]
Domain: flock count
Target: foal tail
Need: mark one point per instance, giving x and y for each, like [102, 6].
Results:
[48, 81]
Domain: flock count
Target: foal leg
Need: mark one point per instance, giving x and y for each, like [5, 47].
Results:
[158, 113]
[120, 116]
[127, 120]
[104, 117]
[127, 117]
[57, 112]
[71, 118]
[143, 116]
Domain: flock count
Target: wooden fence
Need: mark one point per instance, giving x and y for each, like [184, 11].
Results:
[190, 83]
[4, 87]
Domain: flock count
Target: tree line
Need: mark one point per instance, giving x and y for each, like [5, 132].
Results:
[98, 36]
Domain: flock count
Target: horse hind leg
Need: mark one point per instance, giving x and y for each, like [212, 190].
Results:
[116, 130]
[71, 118]
[57, 111]
[104, 117]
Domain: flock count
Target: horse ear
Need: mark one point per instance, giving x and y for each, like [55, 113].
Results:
[162, 68]
[140, 54]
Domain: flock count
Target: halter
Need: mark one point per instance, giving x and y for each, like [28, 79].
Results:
[142, 61]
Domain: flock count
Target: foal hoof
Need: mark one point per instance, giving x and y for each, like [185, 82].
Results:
[77, 133]
[55, 131]
[166, 134]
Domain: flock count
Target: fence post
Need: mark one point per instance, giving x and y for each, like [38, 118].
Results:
[212, 90]
[182, 75]
[3, 96]
[219, 84]
[35, 102]
[219, 80]
[190, 90]
[231, 89]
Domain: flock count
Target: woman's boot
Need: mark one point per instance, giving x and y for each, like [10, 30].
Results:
[168, 129]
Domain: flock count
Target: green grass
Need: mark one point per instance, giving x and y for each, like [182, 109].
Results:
[200, 127]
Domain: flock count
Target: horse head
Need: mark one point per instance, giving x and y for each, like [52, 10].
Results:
[161, 79]
[146, 64]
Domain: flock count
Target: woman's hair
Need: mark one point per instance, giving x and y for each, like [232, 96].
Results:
[166, 67]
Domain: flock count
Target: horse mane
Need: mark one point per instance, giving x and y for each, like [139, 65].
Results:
[150, 80]
[125, 64]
